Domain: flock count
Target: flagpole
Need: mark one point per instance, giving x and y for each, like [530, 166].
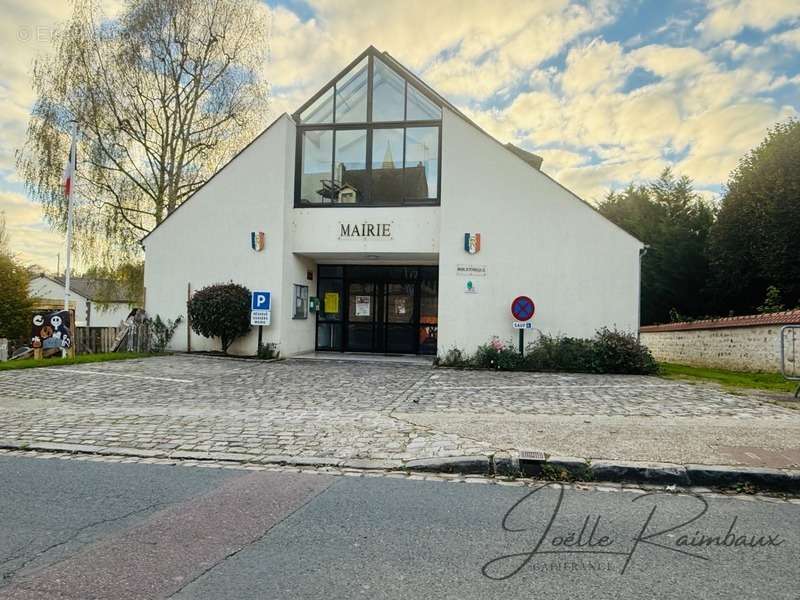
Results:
[70, 194]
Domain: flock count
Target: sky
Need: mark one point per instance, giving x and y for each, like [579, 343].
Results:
[608, 92]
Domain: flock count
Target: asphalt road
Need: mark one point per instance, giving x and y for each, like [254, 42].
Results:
[79, 530]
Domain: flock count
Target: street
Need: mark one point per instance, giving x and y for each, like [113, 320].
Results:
[98, 528]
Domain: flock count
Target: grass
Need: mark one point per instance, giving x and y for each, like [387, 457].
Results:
[773, 382]
[29, 363]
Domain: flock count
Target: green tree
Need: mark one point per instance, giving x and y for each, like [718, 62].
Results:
[772, 301]
[162, 95]
[15, 304]
[221, 310]
[126, 278]
[755, 243]
[674, 221]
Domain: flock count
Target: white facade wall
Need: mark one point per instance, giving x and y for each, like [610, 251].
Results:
[207, 241]
[108, 314]
[44, 288]
[537, 239]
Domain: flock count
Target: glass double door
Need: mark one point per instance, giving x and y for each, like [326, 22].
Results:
[381, 317]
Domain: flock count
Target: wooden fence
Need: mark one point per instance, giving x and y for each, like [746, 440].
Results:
[94, 340]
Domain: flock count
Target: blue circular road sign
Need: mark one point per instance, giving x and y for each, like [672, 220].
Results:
[523, 308]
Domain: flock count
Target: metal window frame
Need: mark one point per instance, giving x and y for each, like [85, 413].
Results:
[369, 126]
[347, 278]
[304, 298]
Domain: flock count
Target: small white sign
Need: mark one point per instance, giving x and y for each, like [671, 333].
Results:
[471, 270]
[363, 304]
[260, 317]
[522, 324]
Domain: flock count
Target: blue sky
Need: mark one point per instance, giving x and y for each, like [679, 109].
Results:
[607, 91]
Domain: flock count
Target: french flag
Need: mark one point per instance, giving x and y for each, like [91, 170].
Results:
[68, 179]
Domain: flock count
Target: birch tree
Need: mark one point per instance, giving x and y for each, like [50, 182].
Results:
[162, 94]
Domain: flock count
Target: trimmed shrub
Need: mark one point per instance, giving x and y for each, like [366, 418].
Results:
[619, 352]
[573, 355]
[221, 310]
[608, 352]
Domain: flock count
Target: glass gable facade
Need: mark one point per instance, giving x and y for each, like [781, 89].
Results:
[370, 138]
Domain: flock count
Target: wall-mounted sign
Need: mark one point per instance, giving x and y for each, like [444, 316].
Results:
[51, 330]
[363, 305]
[257, 240]
[472, 243]
[331, 303]
[471, 270]
[358, 231]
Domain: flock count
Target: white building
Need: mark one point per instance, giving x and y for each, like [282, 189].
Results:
[48, 293]
[368, 196]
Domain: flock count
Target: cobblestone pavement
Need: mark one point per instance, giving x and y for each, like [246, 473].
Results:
[301, 408]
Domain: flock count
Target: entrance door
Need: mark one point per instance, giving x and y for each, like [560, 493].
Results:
[400, 306]
[363, 318]
[384, 309]
[381, 317]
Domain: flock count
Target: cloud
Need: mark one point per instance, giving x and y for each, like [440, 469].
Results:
[790, 38]
[547, 75]
[728, 18]
[30, 239]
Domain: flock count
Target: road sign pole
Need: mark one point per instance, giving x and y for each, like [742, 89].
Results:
[260, 327]
[522, 342]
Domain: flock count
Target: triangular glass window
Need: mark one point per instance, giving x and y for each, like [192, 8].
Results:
[388, 93]
[321, 111]
[419, 108]
[351, 95]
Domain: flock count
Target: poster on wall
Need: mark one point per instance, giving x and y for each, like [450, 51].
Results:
[331, 302]
[363, 304]
[51, 330]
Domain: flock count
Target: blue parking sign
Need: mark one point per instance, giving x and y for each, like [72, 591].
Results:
[261, 301]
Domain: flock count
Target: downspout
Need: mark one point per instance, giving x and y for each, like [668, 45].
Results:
[642, 251]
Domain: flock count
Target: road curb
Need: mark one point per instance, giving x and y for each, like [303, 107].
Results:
[560, 468]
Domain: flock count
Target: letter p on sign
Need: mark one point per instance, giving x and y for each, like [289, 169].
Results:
[261, 301]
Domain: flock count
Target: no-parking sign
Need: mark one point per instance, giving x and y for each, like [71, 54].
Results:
[523, 308]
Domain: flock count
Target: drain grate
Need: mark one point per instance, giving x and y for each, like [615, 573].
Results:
[535, 455]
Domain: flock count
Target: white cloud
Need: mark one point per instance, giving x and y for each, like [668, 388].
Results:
[30, 239]
[728, 18]
[790, 38]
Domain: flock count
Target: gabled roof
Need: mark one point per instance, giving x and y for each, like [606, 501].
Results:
[91, 288]
[532, 160]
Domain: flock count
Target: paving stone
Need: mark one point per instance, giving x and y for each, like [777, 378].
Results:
[310, 411]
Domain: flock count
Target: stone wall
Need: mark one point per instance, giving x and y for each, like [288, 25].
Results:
[755, 348]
